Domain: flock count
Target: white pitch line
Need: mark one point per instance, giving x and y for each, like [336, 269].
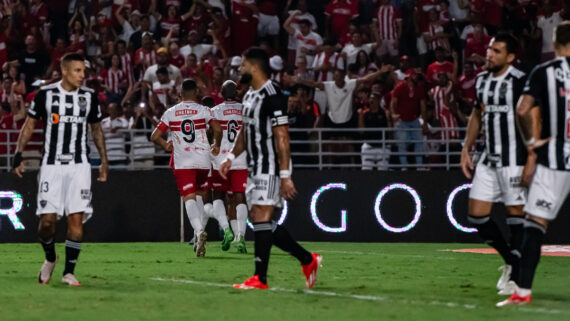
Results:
[364, 297]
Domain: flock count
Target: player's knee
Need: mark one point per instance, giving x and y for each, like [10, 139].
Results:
[75, 233]
[239, 198]
[46, 228]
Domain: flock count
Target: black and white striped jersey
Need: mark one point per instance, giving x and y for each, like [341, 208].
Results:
[497, 97]
[263, 109]
[65, 116]
[549, 84]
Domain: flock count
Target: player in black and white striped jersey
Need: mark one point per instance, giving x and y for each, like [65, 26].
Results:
[65, 174]
[543, 117]
[497, 175]
[265, 137]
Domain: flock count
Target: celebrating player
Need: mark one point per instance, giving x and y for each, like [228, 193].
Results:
[543, 116]
[229, 114]
[187, 123]
[498, 173]
[65, 173]
[266, 138]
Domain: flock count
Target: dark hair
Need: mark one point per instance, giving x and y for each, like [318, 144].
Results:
[511, 42]
[162, 71]
[562, 33]
[6, 107]
[440, 48]
[145, 16]
[71, 57]
[259, 57]
[306, 22]
[121, 41]
[208, 101]
[189, 85]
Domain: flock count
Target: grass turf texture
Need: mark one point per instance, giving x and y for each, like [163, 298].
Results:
[358, 281]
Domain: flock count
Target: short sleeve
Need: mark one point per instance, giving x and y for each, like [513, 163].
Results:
[95, 114]
[276, 106]
[535, 85]
[351, 85]
[164, 123]
[37, 108]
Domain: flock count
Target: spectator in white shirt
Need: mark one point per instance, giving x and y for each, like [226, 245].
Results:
[114, 138]
[162, 60]
[193, 46]
[351, 50]
[292, 42]
[307, 40]
[547, 22]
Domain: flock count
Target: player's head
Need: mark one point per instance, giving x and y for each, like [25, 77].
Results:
[256, 63]
[189, 89]
[229, 90]
[562, 37]
[502, 52]
[73, 69]
[208, 101]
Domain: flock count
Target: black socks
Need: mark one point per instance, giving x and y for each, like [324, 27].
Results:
[532, 242]
[284, 241]
[492, 235]
[263, 241]
[49, 249]
[72, 249]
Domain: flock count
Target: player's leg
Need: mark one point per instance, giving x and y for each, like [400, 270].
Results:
[204, 202]
[46, 233]
[73, 241]
[485, 191]
[239, 203]
[220, 215]
[187, 182]
[231, 214]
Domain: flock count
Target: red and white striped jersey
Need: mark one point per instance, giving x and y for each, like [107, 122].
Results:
[113, 79]
[387, 16]
[187, 123]
[127, 68]
[147, 58]
[449, 125]
[433, 29]
[438, 93]
[229, 115]
[334, 60]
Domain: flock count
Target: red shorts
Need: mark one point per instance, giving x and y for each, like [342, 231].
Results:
[236, 182]
[188, 180]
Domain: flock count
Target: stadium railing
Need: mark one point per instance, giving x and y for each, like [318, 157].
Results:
[311, 148]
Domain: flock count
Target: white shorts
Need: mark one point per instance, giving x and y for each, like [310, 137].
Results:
[64, 190]
[547, 193]
[264, 189]
[498, 184]
[267, 25]
[387, 47]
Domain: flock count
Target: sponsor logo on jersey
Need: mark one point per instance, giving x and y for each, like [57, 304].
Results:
[497, 108]
[56, 118]
[85, 194]
[544, 204]
[231, 112]
[561, 75]
[66, 158]
[185, 112]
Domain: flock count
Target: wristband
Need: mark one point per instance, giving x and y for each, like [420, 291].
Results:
[231, 157]
[530, 141]
[284, 173]
[17, 160]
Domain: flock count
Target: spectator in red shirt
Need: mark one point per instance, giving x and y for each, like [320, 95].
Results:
[176, 58]
[476, 48]
[243, 24]
[169, 25]
[190, 69]
[339, 13]
[145, 56]
[467, 88]
[197, 18]
[440, 65]
[407, 104]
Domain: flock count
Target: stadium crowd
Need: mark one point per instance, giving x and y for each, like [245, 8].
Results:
[410, 65]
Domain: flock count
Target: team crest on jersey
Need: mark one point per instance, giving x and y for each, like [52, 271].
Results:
[43, 203]
[82, 103]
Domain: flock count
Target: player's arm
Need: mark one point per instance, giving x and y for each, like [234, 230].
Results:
[23, 139]
[529, 123]
[287, 24]
[99, 140]
[156, 137]
[218, 132]
[312, 84]
[281, 134]
[473, 129]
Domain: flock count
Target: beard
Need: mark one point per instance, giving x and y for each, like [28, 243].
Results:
[245, 78]
[495, 68]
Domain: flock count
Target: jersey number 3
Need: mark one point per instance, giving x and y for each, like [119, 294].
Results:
[187, 128]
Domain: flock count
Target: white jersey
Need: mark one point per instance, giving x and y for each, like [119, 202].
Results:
[229, 115]
[188, 122]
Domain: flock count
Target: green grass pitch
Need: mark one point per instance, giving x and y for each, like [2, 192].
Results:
[358, 281]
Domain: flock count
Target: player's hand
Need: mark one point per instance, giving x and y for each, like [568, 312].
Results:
[466, 163]
[103, 170]
[168, 146]
[215, 150]
[539, 143]
[288, 190]
[528, 170]
[225, 167]
[18, 165]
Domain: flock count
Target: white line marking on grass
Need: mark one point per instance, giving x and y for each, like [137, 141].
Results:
[364, 297]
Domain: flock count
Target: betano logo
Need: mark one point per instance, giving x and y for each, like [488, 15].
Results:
[56, 119]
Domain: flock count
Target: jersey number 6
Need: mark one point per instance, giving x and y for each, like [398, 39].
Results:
[187, 128]
[232, 130]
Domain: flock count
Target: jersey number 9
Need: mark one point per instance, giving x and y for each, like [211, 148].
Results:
[187, 128]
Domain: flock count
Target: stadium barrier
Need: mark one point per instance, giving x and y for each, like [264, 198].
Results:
[311, 148]
[355, 206]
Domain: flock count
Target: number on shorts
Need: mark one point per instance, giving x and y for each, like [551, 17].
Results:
[44, 187]
[187, 128]
[232, 130]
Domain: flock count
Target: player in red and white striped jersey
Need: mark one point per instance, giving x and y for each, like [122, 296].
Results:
[389, 24]
[229, 115]
[442, 96]
[187, 123]
[114, 78]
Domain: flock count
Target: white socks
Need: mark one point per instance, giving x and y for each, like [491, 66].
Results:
[234, 225]
[241, 210]
[195, 216]
[220, 214]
